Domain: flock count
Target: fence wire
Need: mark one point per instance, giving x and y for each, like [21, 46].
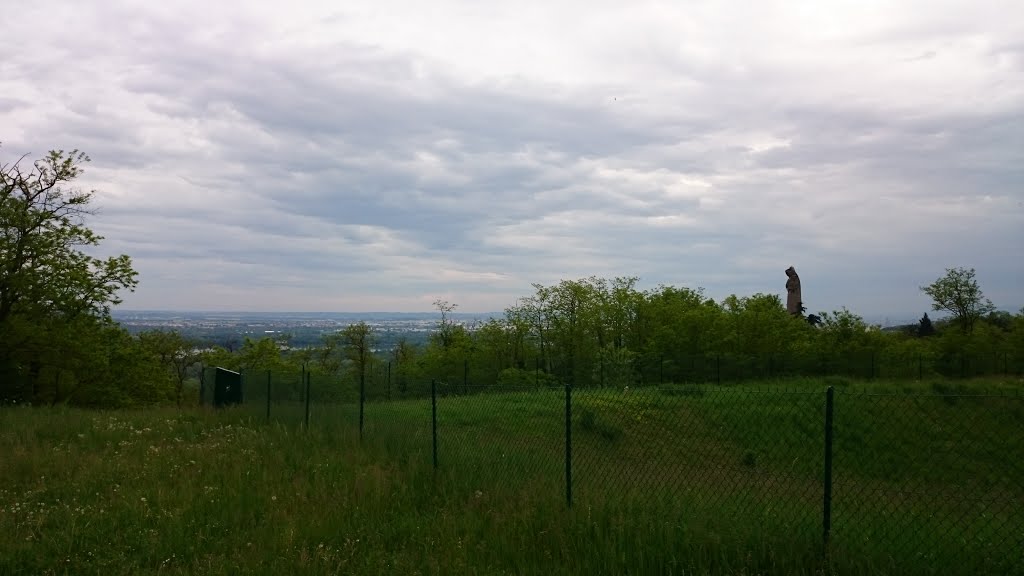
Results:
[927, 481]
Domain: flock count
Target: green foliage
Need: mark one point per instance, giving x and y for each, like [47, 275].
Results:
[176, 354]
[55, 298]
[596, 332]
[358, 343]
[925, 327]
[958, 293]
[519, 378]
[616, 367]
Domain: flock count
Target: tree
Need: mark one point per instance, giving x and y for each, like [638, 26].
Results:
[404, 355]
[446, 328]
[48, 284]
[924, 326]
[175, 353]
[358, 339]
[958, 293]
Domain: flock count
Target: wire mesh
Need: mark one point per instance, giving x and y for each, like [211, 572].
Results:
[927, 481]
[502, 437]
[862, 364]
[743, 464]
[930, 483]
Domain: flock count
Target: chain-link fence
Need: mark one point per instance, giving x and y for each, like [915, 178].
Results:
[926, 481]
[864, 364]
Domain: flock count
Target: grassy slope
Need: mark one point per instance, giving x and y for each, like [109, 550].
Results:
[679, 480]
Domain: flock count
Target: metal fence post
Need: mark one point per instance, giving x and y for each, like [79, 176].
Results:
[465, 376]
[871, 376]
[568, 445]
[920, 367]
[306, 374]
[433, 417]
[827, 503]
[389, 380]
[268, 395]
[202, 383]
[718, 369]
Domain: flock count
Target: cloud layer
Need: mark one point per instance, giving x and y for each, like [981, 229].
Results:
[376, 158]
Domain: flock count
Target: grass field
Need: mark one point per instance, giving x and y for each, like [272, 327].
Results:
[928, 478]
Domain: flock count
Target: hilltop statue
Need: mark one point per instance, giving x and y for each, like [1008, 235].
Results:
[794, 300]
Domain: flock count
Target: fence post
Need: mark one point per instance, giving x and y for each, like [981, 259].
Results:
[920, 367]
[306, 374]
[568, 445]
[963, 365]
[827, 503]
[536, 370]
[433, 417]
[872, 375]
[202, 383]
[268, 395]
[389, 380]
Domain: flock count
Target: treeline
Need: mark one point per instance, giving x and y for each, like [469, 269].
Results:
[607, 332]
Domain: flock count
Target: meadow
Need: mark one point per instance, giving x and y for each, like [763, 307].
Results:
[927, 478]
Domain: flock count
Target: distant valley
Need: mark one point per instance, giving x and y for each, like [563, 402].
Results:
[296, 329]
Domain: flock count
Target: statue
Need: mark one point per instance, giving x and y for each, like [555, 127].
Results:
[794, 300]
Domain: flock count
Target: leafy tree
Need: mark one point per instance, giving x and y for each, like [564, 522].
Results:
[326, 357]
[261, 355]
[220, 357]
[358, 342]
[404, 357]
[446, 329]
[842, 325]
[50, 288]
[175, 353]
[958, 293]
[1001, 319]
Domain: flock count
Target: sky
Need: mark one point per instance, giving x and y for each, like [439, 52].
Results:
[361, 156]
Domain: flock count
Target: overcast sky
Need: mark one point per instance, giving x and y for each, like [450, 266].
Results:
[364, 156]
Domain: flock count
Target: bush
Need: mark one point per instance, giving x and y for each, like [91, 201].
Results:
[516, 377]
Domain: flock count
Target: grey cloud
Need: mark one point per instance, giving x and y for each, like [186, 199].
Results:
[249, 172]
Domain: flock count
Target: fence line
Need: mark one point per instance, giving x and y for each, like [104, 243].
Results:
[910, 482]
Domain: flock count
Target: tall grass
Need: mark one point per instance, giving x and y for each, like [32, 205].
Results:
[675, 480]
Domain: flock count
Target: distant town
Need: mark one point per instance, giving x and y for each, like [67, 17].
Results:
[293, 329]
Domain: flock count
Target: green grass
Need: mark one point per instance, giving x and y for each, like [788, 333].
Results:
[671, 480]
